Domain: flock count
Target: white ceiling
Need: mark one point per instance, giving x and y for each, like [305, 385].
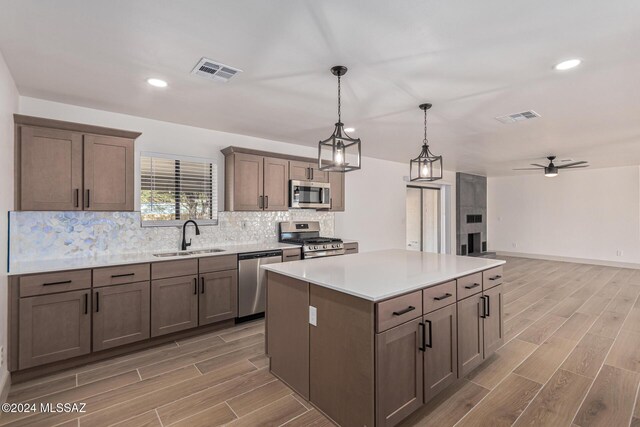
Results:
[474, 60]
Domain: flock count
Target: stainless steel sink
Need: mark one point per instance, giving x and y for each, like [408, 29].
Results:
[187, 253]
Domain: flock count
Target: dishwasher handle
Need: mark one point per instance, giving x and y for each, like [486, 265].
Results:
[254, 255]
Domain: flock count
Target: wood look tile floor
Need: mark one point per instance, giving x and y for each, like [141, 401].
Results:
[571, 358]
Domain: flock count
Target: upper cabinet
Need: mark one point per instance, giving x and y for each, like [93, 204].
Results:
[64, 166]
[259, 180]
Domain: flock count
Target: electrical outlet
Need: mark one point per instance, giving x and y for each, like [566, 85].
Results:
[619, 252]
[313, 315]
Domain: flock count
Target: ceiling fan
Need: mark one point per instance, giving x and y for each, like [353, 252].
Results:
[552, 170]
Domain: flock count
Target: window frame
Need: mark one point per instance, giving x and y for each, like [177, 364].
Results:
[213, 174]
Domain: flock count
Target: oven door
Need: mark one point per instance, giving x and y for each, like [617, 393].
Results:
[310, 195]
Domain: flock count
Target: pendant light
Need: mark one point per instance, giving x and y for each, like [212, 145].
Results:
[427, 166]
[339, 152]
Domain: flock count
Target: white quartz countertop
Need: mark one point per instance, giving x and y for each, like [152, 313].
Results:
[379, 275]
[19, 268]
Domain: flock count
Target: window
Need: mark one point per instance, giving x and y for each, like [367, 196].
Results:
[175, 189]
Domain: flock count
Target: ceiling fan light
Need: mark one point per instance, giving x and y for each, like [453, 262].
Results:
[550, 171]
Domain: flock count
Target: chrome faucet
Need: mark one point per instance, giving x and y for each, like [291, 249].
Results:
[185, 245]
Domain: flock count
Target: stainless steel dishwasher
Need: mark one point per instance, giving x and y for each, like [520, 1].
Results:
[252, 281]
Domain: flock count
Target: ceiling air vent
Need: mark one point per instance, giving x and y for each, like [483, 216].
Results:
[212, 70]
[518, 117]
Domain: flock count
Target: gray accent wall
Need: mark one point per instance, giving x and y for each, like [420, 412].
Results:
[471, 215]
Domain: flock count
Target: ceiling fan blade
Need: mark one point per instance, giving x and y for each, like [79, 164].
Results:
[578, 166]
[538, 165]
[571, 164]
[526, 169]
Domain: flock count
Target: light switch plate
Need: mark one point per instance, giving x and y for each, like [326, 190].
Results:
[313, 315]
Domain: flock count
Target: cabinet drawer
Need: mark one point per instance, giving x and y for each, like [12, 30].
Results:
[121, 274]
[492, 277]
[49, 283]
[163, 270]
[351, 248]
[398, 310]
[439, 296]
[218, 263]
[291, 254]
[469, 285]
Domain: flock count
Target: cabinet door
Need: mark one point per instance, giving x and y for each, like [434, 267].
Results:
[248, 177]
[54, 327]
[470, 334]
[218, 296]
[493, 322]
[108, 173]
[276, 184]
[174, 304]
[317, 175]
[121, 314]
[441, 351]
[299, 171]
[50, 170]
[336, 179]
[399, 373]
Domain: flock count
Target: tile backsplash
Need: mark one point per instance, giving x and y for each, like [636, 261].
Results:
[58, 235]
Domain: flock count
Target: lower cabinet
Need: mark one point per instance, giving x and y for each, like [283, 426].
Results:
[121, 314]
[480, 328]
[218, 298]
[440, 351]
[54, 327]
[399, 372]
[174, 304]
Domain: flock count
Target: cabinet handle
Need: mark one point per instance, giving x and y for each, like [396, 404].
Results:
[484, 308]
[76, 197]
[292, 256]
[114, 276]
[330, 203]
[97, 302]
[423, 338]
[445, 296]
[64, 282]
[195, 286]
[475, 285]
[404, 311]
[266, 202]
[88, 198]
[260, 202]
[86, 303]
[308, 173]
[495, 277]
[488, 303]
[430, 345]
[202, 285]
[311, 169]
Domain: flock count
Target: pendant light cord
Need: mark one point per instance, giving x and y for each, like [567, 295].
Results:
[339, 102]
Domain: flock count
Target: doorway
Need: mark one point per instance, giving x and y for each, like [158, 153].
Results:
[424, 219]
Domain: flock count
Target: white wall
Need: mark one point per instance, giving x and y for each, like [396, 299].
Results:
[375, 195]
[587, 214]
[8, 106]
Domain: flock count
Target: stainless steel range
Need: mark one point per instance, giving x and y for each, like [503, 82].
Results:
[307, 234]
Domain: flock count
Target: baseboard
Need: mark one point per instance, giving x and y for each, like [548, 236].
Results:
[4, 387]
[571, 259]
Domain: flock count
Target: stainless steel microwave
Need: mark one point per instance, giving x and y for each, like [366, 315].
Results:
[311, 195]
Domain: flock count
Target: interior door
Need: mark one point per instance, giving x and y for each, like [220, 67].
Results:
[50, 169]
[424, 222]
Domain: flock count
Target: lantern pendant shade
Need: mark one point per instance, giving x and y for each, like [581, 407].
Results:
[339, 152]
[427, 166]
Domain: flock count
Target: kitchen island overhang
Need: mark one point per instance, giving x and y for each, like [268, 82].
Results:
[369, 338]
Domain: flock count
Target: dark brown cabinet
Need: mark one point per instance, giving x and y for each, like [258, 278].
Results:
[121, 314]
[50, 176]
[54, 327]
[336, 179]
[218, 296]
[470, 334]
[174, 304]
[63, 166]
[399, 373]
[256, 183]
[108, 173]
[440, 350]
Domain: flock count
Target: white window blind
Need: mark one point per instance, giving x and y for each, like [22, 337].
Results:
[175, 189]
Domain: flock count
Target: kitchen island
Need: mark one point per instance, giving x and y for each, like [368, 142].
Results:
[369, 338]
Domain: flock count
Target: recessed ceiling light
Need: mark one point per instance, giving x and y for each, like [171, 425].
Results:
[349, 129]
[567, 65]
[157, 82]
